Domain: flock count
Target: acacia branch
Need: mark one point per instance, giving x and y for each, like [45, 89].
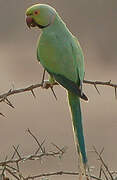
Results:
[31, 88]
[102, 83]
[104, 164]
[4, 96]
[11, 166]
[58, 173]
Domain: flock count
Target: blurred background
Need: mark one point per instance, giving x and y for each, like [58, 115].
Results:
[94, 22]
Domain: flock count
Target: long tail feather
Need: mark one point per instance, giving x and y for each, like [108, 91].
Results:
[74, 102]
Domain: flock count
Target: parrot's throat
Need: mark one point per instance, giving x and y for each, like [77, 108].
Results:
[33, 24]
[41, 26]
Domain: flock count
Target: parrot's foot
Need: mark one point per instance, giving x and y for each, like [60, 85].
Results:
[47, 84]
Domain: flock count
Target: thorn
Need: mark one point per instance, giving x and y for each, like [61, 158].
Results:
[100, 172]
[101, 151]
[61, 150]
[43, 77]
[32, 91]
[13, 86]
[4, 168]
[96, 89]
[41, 146]
[2, 114]
[53, 93]
[116, 92]
[16, 150]
[9, 103]
[105, 174]
[9, 90]
[28, 130]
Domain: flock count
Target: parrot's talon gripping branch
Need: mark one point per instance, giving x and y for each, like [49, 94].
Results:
[35, 86]
[47, 84]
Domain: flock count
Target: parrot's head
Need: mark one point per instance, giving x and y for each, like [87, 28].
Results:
[40, 15]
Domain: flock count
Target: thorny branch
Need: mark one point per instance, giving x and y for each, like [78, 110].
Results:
[31, 88]
[10, 167]
[108, 172]
[3, 97]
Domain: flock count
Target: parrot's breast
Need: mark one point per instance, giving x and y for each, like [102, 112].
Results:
[55, 54]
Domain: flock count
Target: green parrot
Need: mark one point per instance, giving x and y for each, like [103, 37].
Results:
[60, 54]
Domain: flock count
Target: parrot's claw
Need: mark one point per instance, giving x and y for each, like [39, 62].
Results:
[46, 84]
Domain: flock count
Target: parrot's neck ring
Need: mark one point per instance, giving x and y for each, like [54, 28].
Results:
[41, 26]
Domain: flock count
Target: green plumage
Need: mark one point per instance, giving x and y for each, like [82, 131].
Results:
[74, 103]
[61, 55]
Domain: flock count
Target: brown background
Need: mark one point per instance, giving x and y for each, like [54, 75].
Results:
[94, 22]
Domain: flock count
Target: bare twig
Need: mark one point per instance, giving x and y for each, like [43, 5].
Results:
[56, 174]
[4, 96]
[40, 146]
[30, 157]
[105, 174]
[103, 163]
[61, 150]
[100, 172]
[32, 87]
[14, 153]
[102, 83]
[11, 166]
[12, 173]
[16, 150]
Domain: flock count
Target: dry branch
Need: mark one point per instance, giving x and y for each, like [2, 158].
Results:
[11, 166]
[107, 173]
[58, 173]
[31, 88]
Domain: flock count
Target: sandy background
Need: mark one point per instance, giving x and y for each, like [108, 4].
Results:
[94, 22]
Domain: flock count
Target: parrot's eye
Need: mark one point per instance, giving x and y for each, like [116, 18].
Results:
[36, 12]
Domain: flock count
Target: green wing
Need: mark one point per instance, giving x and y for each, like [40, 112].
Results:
[62, 57]
[79, 58]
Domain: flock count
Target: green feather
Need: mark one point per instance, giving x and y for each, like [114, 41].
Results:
[74, 103]
[69, 85]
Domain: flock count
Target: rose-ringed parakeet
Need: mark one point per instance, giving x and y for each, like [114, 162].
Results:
[60, 54]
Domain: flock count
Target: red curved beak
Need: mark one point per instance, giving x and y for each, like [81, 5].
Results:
[30, 22]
